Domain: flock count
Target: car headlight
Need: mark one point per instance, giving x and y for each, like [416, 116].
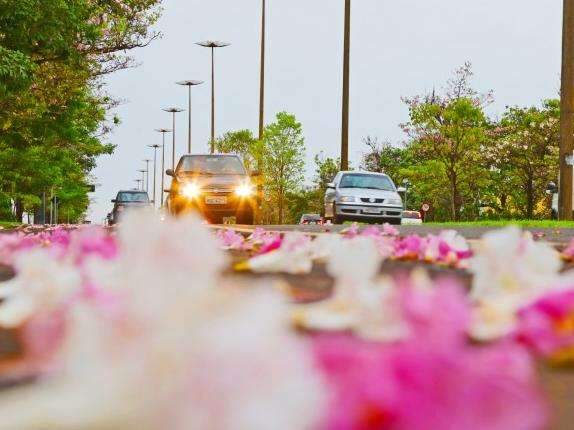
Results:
[190, 190]
[346, 199]
[244, 190]
[395, 202]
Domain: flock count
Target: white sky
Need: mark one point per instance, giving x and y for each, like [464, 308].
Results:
[399, 48]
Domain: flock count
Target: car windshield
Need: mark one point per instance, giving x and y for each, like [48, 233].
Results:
[211, 165]
[372, 182]
[133, 197]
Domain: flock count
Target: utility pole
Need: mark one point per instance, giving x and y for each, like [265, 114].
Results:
[346, 75]
[262, 75]
[567, 113]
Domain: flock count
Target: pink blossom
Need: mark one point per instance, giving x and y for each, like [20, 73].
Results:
[231, 239]
[547, 325]
[429, 380]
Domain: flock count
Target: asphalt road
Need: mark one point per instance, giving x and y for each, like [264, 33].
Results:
[556, 236]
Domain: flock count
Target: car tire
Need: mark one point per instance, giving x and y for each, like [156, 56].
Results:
[394, 221]
[337, 219]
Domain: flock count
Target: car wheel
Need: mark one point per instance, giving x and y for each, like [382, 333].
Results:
[337, 219]
[395, 221]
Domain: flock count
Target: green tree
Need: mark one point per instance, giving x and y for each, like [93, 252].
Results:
[526, 155]
[283, 162]
[448, 133]
[241, 143]
[53, 112]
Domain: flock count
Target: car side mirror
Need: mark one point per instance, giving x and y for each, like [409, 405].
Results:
[256, 173]
[170, 172]
[401, 190]
[114, 200]
[331, 185]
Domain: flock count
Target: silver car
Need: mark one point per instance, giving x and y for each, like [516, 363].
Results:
[363, 196]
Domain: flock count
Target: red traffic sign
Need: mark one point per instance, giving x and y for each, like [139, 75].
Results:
[425, 207]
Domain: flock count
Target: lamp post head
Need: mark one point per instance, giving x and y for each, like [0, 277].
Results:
[189, 83]
[213, 44]
[173, 110]
[142, 170]
[154, 146]
[163, 130]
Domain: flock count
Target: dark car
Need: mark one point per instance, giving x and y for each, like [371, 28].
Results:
[126, 200]
[217, 186]
[311, 219]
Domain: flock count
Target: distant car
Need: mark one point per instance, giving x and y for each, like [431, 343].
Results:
[412, 218]
[311, 219]
[217, 186]
[127, 200]
[363, 196]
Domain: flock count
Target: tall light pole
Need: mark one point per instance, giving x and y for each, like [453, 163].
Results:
[567, 114]
[147, 161]
[189, 84]
[346, 74]
[139, 182]
[155, 148]
[173, 111]
[142, 171]
[213, 45]
[262, 73]
[163, 131]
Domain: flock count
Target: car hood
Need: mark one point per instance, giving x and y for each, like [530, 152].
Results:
[214, 181]
[368, 193]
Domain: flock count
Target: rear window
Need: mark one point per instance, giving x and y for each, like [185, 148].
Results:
[410, 214]
[210, 164]
[133, 197]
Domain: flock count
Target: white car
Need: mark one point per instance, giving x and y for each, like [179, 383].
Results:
[363, 196]
[412, 218]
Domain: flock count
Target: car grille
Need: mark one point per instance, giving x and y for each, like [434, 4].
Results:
[368, 200]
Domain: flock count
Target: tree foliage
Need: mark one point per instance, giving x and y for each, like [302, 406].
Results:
[283, 162]
[53, 110]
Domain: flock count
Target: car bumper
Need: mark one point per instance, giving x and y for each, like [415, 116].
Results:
[232, 206]
[368, 211]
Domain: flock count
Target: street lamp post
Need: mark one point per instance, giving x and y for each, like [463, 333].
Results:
[406, 185]
[147, 161]
[189, 84]
[173, 111]
[142, 171]
[163, 131]
[139, 182]
[155, 148]
[213, 45]
[346, 84]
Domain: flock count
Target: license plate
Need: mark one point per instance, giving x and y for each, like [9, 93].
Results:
[372, 211]
[216, 200]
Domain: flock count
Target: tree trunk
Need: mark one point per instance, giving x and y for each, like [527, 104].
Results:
[19, 207]
[529, 197]
[281, 207]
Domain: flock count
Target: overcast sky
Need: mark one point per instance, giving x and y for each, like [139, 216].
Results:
[399, 48]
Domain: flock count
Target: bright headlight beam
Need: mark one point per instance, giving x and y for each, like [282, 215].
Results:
[244, 190]
[190, 191]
